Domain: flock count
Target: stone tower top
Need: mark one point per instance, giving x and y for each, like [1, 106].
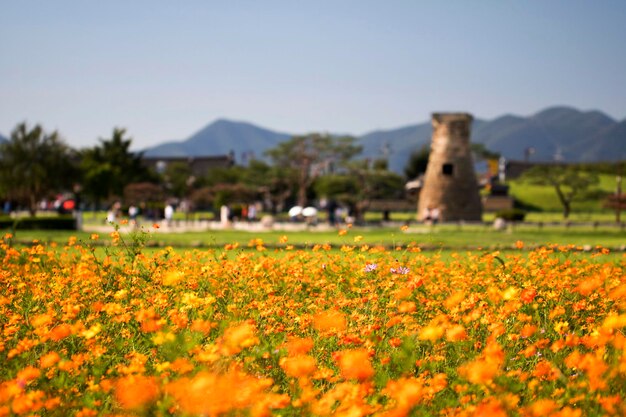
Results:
[452, 117]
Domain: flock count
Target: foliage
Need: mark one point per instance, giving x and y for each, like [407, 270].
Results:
[362, 331]
[417, 163]
[568, 182]
[143, 192]
[38, 223]
[34, 165]
[359, 186]
[111, 166]
[274, 183]
[223, 194]
[230, 175]
[481, 151]
[179, 179]
[309, 156]
[511, 215]
[341, 187]
[202, 198]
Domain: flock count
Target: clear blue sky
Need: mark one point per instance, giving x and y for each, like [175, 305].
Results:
[165, 69]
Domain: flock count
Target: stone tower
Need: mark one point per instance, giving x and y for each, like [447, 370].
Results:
[450, 184]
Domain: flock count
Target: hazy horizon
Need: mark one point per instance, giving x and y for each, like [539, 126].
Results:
[164, 71]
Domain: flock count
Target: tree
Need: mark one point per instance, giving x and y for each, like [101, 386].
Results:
[179, 179]
[569, 182]
[359, 186]
[481, 151]
[416, 165]
[34, 164]
[311, 155]
[109, 167]
[222, 175]
[274, 183]
[217, 195]
[139, 193]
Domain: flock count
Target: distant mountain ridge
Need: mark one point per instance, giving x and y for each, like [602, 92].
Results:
[220, 138]
[562, 133]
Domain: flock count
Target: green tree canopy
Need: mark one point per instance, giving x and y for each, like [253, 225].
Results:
[34, 165]
[179, 179]
[417, 163]
[110, 166]
[311, 155]
[481, 151]
[359, 185]
[274, 183]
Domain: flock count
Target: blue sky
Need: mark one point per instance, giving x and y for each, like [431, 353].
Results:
[165, 69]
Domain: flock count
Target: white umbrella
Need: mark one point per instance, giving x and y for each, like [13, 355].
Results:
[309, 212]
[295, 211]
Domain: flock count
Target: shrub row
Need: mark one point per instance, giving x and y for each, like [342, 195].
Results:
[38, 223]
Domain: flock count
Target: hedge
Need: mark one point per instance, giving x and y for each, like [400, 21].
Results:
[38, 223]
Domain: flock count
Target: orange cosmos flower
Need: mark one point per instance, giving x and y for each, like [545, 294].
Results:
[298, 366]
[30, 402]
[393, 321]
[407, 392]
[182, 366]
[456, 333]
[542, 407]
[479, 371]
[491, 408]
[172, 277]
[528, 330]
[28, 374]
[454, 299]
[329, 320]
[299, 346]
[395, 341]
[41, 320]
[407, 307]
[402, 293]
[431, 332]
[136, 391]
[202, 326]
[614, 321]
[49, 359]
[528, 295]
[239, 337]
[485, 368]
[86, 412]
[355, 364]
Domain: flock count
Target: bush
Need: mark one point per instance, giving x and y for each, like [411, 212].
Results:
[39, 223]
[512, 215]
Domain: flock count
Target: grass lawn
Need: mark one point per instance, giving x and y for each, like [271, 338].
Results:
[545, 198]
[439, 237]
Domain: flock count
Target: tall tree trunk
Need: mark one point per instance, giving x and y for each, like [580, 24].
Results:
[302, 195]
[564, 201]
[32, 207]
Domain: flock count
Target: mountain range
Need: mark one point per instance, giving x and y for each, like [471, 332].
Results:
[556, 133]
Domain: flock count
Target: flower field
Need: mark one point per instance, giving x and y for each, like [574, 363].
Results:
[352, 332]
